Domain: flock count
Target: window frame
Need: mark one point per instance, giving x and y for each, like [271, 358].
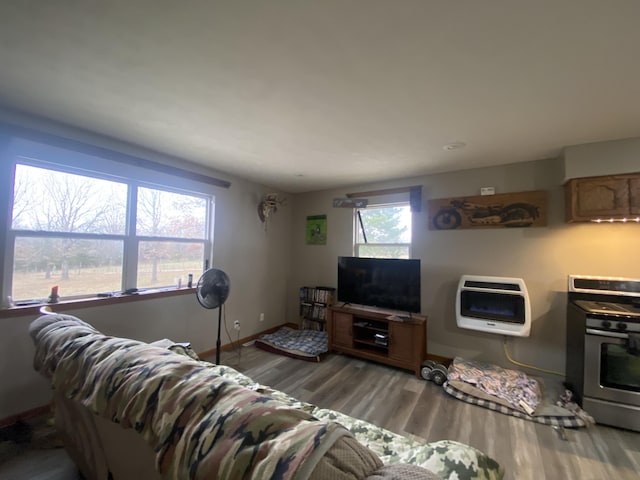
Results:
[101, 167]
[357, 227]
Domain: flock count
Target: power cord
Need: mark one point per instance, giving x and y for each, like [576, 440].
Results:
[515, 362]
[237, 346]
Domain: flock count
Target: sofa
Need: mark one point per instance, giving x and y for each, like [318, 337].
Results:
[126, 409]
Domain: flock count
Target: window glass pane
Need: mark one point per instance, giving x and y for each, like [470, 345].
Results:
[51, 201]
[620, 369]
[161, 264]
[78, 267]
[168, 214]
[386, 224]
[383, 251]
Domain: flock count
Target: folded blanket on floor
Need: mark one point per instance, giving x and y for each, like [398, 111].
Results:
[513, 386]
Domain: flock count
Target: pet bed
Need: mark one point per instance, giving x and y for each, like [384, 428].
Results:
[309, 345]
[545, 412]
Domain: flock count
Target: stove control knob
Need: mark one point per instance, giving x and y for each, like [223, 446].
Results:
[606, 324]
[622, 326]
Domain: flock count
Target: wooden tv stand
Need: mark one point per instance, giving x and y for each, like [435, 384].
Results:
[369, 334]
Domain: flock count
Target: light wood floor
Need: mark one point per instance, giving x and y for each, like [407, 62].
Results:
[399, 401]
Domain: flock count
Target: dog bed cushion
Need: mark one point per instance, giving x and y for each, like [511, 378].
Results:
[310, 345]
[546, 413]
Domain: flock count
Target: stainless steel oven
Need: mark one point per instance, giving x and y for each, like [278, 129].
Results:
[603, 348]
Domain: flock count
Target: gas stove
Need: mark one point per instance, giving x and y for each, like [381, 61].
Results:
[603, 360]
[616, 286]
[610, 308]
[610, 304]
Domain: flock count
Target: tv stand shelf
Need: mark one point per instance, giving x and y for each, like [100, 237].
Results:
[370, 334]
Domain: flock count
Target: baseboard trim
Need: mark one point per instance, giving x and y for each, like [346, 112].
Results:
[230, 346]
[34, 412]
[446, 361]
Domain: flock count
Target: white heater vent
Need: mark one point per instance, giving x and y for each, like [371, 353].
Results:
[493, 304]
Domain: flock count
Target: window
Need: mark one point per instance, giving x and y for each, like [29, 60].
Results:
[171, 229]
[383, 231]
[91, 232]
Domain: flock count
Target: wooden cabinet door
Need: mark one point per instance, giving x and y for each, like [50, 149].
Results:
[342, 329]
[601, 197]
[402, 338]
[634, 196]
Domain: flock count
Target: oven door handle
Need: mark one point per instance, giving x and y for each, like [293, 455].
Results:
[607, 334]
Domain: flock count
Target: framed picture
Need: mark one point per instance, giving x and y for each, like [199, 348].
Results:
[508, 210]
[316, 230]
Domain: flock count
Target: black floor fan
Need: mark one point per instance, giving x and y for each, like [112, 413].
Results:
[212, 291]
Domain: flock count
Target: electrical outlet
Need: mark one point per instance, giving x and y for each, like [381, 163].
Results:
[261, 317]
[236, 324]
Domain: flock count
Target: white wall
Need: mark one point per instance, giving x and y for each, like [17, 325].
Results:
[257, 262]
[543, 257]
[602, 158]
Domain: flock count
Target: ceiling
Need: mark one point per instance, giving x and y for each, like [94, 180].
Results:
[307, 95]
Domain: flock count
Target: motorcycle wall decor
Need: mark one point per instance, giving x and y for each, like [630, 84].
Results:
[522, 209]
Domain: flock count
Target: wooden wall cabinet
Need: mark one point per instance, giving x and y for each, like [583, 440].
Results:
[615, 196]
[634, 195]
[371, 335]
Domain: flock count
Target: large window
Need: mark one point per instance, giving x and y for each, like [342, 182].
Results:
[383, 231]
[91, 232]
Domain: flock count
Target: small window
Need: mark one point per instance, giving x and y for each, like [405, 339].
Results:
[383, 231]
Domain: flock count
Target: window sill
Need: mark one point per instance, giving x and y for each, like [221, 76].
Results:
[65, 305]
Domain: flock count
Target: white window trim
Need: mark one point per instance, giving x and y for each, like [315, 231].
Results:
[77, 162]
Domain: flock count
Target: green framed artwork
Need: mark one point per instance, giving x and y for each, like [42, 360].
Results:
[317, 230]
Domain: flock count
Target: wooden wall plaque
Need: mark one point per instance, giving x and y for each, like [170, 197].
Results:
[506, 210]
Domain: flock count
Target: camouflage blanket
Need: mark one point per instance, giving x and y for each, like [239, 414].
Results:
[199, 423]
[171, 429]
[449, 459]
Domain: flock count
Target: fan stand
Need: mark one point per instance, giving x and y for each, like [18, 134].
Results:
[218, 340]
[212, 291]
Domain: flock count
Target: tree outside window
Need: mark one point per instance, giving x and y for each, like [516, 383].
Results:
[166, 217]
[74, 230]
[383, 231]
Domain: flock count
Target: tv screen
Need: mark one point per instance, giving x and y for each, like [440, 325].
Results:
[388, 283]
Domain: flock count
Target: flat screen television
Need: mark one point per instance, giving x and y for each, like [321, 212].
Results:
[388, 283]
